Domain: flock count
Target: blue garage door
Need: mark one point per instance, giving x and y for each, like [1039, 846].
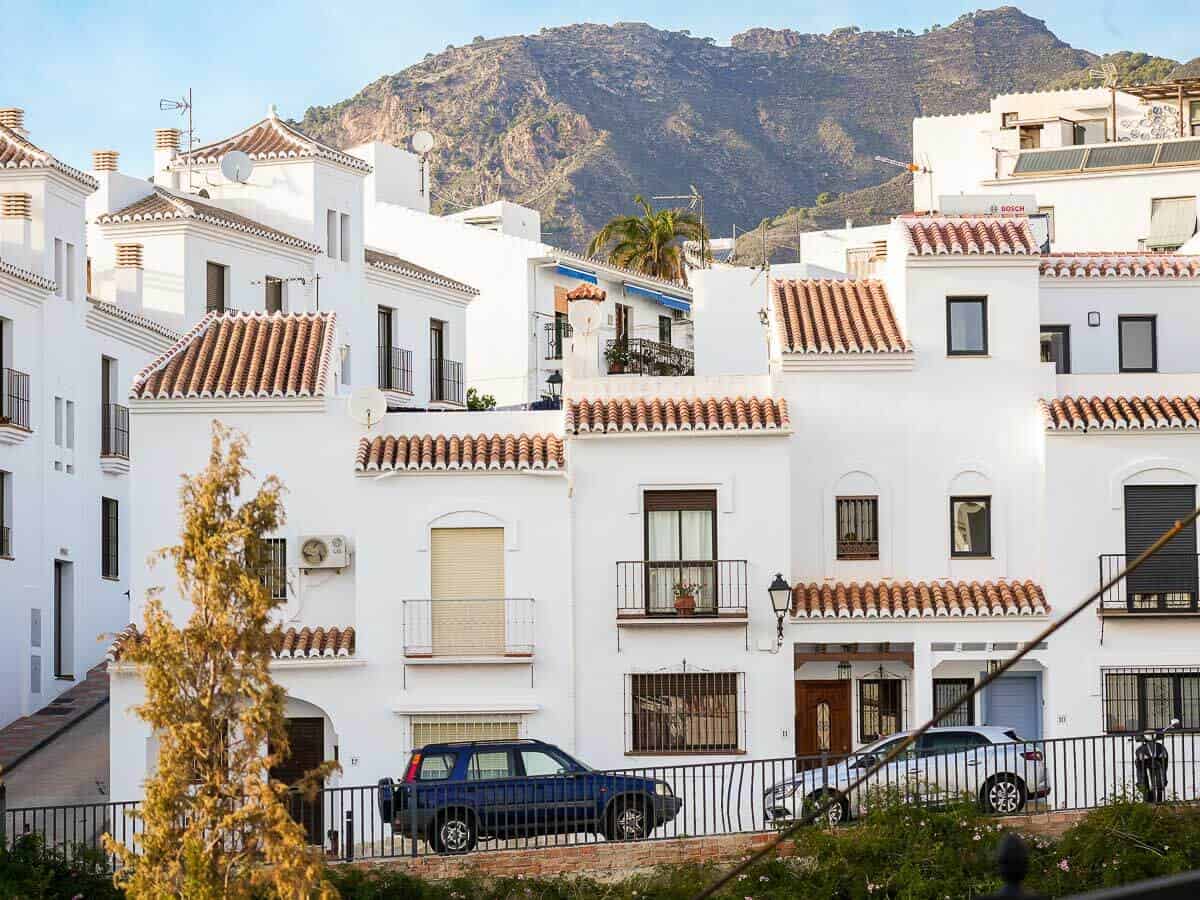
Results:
[1015, 701]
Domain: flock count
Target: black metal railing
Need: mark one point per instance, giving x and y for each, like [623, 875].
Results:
[556, 333]
[5, 541]
[71, 831]
[641, 356]
[672, 800]
[395, 369]
[1166, 583]
[445, 381]
[14, 398]
[114, 430]
[700, 587]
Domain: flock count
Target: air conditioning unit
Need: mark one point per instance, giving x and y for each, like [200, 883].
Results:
[324, 551]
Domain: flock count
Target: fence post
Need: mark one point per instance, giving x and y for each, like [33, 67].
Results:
[1012, 859]
[3, 816]
[411, 793]
[348, 845]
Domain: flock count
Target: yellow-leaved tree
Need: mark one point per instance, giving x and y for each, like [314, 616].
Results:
[212, 824]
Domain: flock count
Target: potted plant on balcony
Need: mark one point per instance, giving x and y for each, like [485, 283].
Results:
[617, 356]
[685, 597]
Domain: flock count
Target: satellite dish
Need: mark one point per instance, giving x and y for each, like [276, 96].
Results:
[367, 405]
[422, 142]
[237, 166]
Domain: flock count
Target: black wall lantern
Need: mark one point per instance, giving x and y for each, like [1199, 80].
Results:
[781, 601]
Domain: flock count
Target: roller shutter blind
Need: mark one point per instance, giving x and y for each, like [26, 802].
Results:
[1172, 222]
[467, 578]
[442, 730]
[215, 288]
[1149, 511]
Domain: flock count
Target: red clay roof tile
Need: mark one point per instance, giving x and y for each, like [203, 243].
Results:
[1120, 265]
[460, 453]
[291, 643]
[936, 599]
[1121, 413]
[836, 316]
[18, 152]
[270, 139]
[940, 235]
[627, 415]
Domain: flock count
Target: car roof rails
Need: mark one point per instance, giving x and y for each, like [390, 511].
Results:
[486, 742]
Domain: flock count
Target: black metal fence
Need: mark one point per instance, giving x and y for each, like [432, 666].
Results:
[556, 333]
[114, 430]
[72, 830]
[395, 369]
[14, 398]
[446, 381]
[641, 356]
[702, 587]
[1166, 583]
[550, 805]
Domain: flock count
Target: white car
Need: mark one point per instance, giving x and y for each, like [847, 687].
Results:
[991, 765]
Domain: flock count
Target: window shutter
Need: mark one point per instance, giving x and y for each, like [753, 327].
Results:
[467, 586]
[668, 500]
[1149, 511]
[1172, 222]
[440, 730]
[560, 300]
[274, 294]
[215, 299]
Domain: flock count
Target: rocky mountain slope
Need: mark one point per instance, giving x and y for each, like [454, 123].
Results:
[576, 120]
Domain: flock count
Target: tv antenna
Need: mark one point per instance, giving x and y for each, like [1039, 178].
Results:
[237, 166]
[696, 201]
[184, 105]
[914, 168]
[422, 143]
[1108, 76]
[367, 406]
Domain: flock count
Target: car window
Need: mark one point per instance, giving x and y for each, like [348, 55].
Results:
[490, 764]
[881, 749]
[436, 767]
[943, 742]
[538, 763]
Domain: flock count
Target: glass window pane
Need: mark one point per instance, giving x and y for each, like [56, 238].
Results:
[696, 528]
[664, 534]
[1137, 344]
[538, 763]
[972, 527]
[1159, 700]
[437, 767]
[495, 764]
[1189, 702]
[1120, 702]
[966, 326]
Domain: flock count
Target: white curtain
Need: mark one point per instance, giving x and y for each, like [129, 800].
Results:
[964, 536]
[664, 545]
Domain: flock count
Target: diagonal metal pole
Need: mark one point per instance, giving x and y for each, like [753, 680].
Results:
[820, 809]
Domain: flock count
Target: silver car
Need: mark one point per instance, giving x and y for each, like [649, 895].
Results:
[991, 765]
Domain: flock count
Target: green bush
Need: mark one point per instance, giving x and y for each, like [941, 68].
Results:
[31, 871]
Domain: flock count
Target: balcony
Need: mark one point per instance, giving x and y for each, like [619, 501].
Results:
[5, 542]
[646, 591]
[641, 356]
[556, 333]
[114, 438]
[395, 370]
[14, 406]
[487, 629]
[1165, 584]
[445, 381]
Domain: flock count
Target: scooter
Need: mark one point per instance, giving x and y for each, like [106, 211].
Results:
[1150, 760]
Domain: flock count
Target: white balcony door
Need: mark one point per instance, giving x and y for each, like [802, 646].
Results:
[467, 578]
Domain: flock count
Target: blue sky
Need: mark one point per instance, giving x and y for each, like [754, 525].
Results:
[90, 75]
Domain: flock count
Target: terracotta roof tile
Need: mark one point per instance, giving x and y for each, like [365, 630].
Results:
[18, 152]
[936, 599]
[1120, 265]
[460, 453]
[836, 316]
[587, 291]
[1121, 413]
[939, 235]
[164, 206]
[628, 415]
[244, 355]
[270, 139]
[388, 263]
[292, 643]
[30, 278]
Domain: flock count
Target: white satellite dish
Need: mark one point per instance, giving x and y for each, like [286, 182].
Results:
[237, 166]
[422, 142]
[367, 405]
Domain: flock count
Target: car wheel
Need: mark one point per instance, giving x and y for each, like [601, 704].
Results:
[838, 812]
[453, 832]
[627, 821]
[1004, 794]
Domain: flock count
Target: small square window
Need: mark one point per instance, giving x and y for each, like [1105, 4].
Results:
[1056, 347]
[1138, 343]
[970, 526]
[966, 326]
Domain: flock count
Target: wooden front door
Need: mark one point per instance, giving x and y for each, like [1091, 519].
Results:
[823, 718]
[306, 736]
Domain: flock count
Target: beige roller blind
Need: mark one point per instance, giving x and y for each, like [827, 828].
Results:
[467, 577]
[440, 730]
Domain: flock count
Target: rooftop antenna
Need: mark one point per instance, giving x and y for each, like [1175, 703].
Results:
[237, 166]
[422, 143]
[914, 168]
[184, 105]
[1109, 77]
[696, 201]
[367, 406]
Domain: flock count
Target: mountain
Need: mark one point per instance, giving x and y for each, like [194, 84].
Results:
[578, 119]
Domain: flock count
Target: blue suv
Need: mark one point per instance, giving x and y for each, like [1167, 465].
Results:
[456, 794]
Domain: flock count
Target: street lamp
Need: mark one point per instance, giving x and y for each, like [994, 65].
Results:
[555, 383]
[781, 600]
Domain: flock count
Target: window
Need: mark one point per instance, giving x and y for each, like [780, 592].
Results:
[1056, 347]
[680, 542]
[1048, 212]
[275, 574]
[942, 743]
[664, 330]
[1091, 131]
[1030, 136]
[1194, 107]
[273, 288]
[444, 729]
[466, 615]
[344, 238]
[1142, 699]
[947, 692]
[684, 712]
[490, 764]
[858, 262]
[71, 290]
[1168, 580]
[59, 424]
[331, 233]
[880, 711]
[215, 283]
[970, 526]
[70, 436]
[1009, 119]
[383, 330]
[436, 767]
[562, 330]
[538, 762]
[966, 326]
[64, 619]
[109, 539]
[1172, 222]
[439, 389]
[858, 528]
[1138, 343]
[60, 268]
[6, 548]
[623, 321]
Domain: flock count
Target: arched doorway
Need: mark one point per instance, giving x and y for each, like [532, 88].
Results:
[311, 742]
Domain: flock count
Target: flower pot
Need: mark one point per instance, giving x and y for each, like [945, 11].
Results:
[685, 605]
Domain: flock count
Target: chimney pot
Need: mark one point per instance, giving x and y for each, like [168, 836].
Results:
[13, 117]
[16, 206]
[166, 139]
[129, 256]
[105, 160]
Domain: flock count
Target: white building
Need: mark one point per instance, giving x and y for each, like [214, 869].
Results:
[65, 359]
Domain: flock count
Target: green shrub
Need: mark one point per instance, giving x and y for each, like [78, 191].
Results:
[31, 871]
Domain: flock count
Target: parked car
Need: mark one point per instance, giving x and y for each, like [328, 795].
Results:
[455, 794]
[990, 764]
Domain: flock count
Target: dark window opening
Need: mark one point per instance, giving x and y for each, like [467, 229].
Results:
[947, 692]
[680, 540]
[215, 287]
[880, 708]
[966, 326]
[664, 330]
[970, 526]
[274, 294]
[1056, 347]
[692, 712]
[857, 527]
[109, 539]
[1143, 699]
[1138, 344]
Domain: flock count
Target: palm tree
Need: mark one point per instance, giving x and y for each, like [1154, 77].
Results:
[649, 243]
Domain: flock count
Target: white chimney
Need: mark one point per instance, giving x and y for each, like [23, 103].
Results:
[16, 229]
[129, 277]
[166, 148]
[13, 117]
[581, 357]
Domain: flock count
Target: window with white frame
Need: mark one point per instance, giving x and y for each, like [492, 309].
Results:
[440, 729]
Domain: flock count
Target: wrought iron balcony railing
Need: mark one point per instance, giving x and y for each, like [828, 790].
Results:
[556, 334]
[1165, 583]
[395, 369]
[641, 356]
[446, 381]
[472, 628]
[14, 398]
[718, 587]
[114, 430]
